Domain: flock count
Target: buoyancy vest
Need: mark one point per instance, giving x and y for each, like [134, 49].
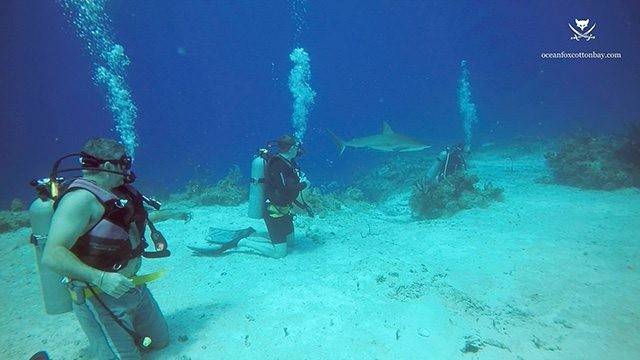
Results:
[106, 246]
[278, 171]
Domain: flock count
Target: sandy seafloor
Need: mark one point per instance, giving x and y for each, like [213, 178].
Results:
[553, 272]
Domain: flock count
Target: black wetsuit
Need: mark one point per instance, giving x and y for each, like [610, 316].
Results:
[282, 188]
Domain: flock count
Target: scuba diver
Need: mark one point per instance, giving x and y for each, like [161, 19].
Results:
[96, 240]
[448, 161]
[276, 185]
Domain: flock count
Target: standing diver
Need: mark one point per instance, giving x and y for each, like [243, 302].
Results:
[282, 182]
[96, 240]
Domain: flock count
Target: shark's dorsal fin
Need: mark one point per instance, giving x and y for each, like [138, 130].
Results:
[386, 129]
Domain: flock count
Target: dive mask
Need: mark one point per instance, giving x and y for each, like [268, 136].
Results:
[90, 161]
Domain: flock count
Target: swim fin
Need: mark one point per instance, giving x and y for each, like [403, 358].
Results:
[239, 235]
[40, 355]
[219, 236]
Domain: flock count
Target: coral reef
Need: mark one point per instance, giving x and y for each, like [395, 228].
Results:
[397, 172]
[325, 202]
[13, 220]
[320, 203]
[457, 192]
[352, 195]
[629, 151]
[227, 192]
[596, 162]
[16, 205]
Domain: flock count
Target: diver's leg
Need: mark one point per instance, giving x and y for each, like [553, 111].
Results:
[291, 240]
[264, 247]
[107, 337]
[261, 234]
[149, 321]
[275, 244]
[99, 346]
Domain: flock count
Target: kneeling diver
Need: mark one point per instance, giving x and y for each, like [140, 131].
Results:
[448, 161]
[276, 185]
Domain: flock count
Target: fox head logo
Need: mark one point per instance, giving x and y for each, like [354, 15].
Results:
[582, 34]
[582, 24]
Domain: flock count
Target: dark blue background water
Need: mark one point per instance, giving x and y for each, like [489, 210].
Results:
[210, 79]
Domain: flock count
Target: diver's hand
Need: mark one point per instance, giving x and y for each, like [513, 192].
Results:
[114, 284]
[305, 181]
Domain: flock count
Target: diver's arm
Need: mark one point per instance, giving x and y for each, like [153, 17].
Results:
[69, 222]
[291, 181]
[285, 177]
[292, 186]
[295, 185]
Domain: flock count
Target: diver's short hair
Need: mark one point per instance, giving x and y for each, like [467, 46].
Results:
[285, 142]
[104, 149]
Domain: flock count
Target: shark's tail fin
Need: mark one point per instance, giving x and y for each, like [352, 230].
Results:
[341, 145]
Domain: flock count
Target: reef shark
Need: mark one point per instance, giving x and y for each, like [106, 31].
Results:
[388, 141]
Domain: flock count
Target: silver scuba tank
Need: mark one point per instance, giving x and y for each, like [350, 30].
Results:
[54, 292]
[436, 168]
[256, 187]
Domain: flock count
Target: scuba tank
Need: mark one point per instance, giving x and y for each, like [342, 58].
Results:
[57, 299]
[448, 161]
[433, 175]
[54, 292]
[257, 198]
[256, 187]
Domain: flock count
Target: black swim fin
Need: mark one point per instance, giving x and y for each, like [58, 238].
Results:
[239, 235]
[40, 355]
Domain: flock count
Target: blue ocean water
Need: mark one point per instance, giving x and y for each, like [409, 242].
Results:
[549, 272]
[209, 79]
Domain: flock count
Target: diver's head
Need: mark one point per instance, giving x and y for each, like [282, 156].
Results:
[290, 147]
[106, 162]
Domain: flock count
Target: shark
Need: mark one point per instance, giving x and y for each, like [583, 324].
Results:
[388, 141]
